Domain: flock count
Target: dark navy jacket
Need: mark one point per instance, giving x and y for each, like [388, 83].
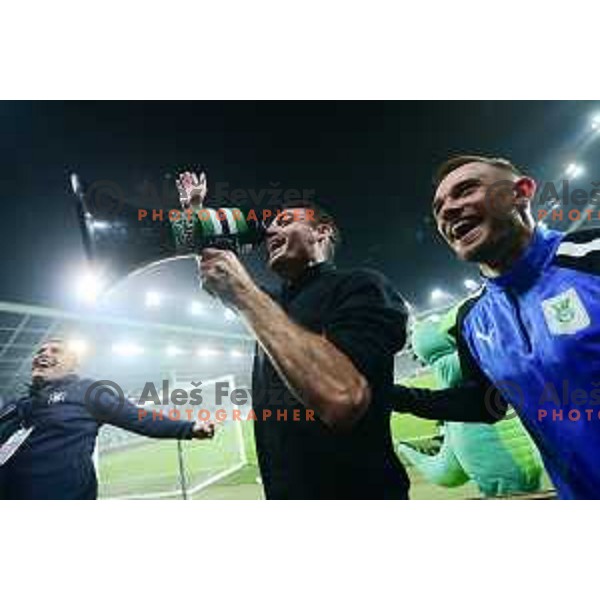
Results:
[55, 462]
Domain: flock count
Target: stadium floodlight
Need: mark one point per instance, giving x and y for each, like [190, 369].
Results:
[196, 308]
[235, 353]
[78, 346]
[229, 315]
[439, 295]
[173, 350]
[127, 349]
[574, 170]
[596, 122]
[471, 285]
[207, 352]
[99, 225]
[88, 287]
[153, 299]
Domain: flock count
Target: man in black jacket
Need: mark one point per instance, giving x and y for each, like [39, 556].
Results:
[323, 366]
[57, 423]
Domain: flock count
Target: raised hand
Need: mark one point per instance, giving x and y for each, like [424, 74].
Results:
[192, 189]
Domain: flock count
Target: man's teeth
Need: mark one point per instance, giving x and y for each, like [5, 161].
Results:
[460, 229]
[42, 362]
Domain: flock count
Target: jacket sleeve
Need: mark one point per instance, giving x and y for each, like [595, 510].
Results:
[368, 323]
[9, 421]
[468, 403]
[108, 407]
[474, 400]
[580, 251]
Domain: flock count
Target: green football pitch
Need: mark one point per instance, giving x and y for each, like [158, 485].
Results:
[151, 467]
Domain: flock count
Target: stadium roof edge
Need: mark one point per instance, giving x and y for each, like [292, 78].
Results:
[41, 311]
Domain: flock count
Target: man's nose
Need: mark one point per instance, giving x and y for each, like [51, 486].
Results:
[451, 209]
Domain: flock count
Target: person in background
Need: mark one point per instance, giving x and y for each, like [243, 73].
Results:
[55, 426]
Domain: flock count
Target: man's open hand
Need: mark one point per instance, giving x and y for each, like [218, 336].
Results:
[192, 189]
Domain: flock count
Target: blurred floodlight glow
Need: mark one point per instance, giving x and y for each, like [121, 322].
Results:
[439, 295]
[235, 353]
[596, 122]
[78, 346]
[574, 170]
[207, 352]
[471, 285]
[127, 349]
[229, 315]
[196, 308]
[88, 287]
[153, 299]
[99, 225]
[173, 350]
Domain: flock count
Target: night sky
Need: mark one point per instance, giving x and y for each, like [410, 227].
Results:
[370, 163]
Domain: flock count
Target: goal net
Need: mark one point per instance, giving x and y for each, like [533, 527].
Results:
[133, 466]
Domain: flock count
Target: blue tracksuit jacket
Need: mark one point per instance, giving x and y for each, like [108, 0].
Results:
[534, 333]
[55, 462]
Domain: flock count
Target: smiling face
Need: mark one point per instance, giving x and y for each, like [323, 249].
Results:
[479, 210]
[53, 360]
[295, 241]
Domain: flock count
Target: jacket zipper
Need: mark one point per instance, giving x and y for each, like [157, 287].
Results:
[520, 324]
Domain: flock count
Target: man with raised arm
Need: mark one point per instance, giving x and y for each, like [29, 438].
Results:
[324, 362]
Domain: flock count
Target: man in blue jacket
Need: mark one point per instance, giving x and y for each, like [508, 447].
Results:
[531, 337]
[55, 428]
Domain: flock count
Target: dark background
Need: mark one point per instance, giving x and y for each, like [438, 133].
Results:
[370, 163]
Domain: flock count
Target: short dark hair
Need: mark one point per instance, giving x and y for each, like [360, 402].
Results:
[321, 216]
[464, 159]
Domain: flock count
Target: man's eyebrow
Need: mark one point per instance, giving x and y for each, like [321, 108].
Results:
[285, 215]
[455, 190]
[459, 186]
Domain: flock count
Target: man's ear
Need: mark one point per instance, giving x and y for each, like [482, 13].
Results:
[324, 230]
[525, 188]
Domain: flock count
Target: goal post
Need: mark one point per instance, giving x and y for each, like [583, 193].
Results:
[229, 444]
[136, 467]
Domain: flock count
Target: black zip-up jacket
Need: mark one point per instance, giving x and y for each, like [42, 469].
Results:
[55, 462]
